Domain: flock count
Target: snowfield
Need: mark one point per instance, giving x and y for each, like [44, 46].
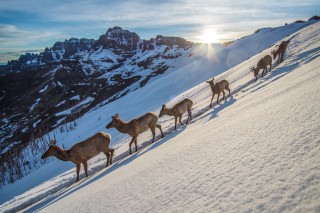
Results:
[257, 151]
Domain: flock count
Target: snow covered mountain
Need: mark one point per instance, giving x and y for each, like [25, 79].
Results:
[249, 153]
[40, 92]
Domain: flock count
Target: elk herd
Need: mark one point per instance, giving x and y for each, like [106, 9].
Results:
[81, 152]
[267, 60]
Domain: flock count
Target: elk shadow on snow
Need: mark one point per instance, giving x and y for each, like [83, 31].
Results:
[217, 107]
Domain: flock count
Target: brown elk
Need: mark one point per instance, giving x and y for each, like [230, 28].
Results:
[262, 64]
[217, 88]
[280, 51]
[178, 110]
[136, 126]
[81, 152]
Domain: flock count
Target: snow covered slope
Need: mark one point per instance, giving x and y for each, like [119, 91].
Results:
[258, 150]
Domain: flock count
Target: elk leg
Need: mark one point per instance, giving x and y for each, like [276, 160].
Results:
[180, 117]
[175, 123]
[190, 115]
[78, 170]
[85, 165]
[218, 98]
[211, 100]
[153, 137]
[153, 130]
[136, 143]
[223, 94]
[112, 151]
[159, 127]
[132, 140]
[229, 92]
[108, 158]
[188, 119]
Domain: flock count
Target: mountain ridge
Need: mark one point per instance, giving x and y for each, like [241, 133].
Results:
[95, 70]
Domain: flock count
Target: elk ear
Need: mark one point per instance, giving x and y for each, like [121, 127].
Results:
[212, 79]
[53, 142]
[163, 106]
[116, 116]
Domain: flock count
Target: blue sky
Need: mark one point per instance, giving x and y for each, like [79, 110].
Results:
[32, 25]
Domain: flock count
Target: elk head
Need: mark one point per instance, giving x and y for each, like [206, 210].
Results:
[162, 110]
[212, 85]
[254, 70]
[114, 121]
[52, 150]
[274, 54]
[210, 82]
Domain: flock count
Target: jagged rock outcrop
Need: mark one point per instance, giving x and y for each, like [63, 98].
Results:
[315, 18]
[65, 50]
[117, 38]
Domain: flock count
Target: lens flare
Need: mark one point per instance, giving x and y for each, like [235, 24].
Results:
[209, 36]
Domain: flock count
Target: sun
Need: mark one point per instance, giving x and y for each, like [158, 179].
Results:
[209, 36]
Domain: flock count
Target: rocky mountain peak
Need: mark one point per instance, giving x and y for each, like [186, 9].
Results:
[170, 41]
[118, 32]
[118, 38]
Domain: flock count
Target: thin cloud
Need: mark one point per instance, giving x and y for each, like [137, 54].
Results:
[42, 21]
[11, 35]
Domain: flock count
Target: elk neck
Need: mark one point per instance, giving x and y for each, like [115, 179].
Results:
[214, 88]
[122, 126]
[64, 155]
[168, 111]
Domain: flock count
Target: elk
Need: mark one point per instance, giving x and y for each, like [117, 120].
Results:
[136, 126]
[81, 152]
[178, 110]
[262, 64]
[280, 51]
[217, 88]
